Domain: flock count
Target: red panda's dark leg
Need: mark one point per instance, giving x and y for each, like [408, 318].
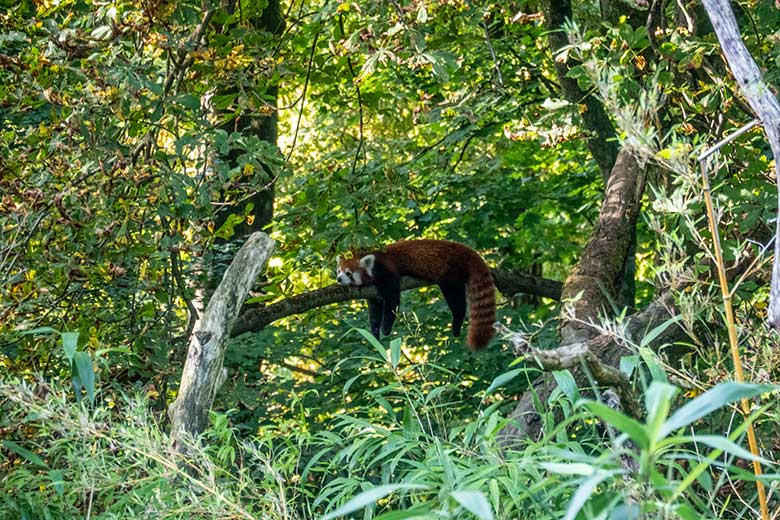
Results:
[456, 300]
[375, 315]
[390, 291]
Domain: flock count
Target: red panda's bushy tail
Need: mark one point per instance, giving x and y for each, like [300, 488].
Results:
[482, 306]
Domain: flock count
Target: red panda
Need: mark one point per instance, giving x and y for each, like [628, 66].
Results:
[457, 269]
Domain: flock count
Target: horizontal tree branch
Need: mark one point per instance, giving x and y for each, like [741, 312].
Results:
[507, 282]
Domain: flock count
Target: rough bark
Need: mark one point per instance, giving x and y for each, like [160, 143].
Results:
[598, 276]
[254, 320]
[573, 356]
[602, 142]
[764, 104]
[203, 373]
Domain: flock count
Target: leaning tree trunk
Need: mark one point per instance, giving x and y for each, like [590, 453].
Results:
[764, 104]
[602, 142]
[598, 275]
[594, 284]
[203, 373]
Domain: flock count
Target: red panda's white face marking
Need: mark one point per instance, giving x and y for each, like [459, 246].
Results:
[353, 272]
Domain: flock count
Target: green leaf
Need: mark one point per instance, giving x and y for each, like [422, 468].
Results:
[422, 13]
[85, 373]
[635, 430]
[656, 370]
[711, 400]
[583, 494]
[57, 481]
[658, 402]
[503, 379]
[69, 344]
[569, 468]
[374, 343]
[24, 453]
[395, 352]
[475, 502]
[657, 331]
[628, 364]
[421, 511]
[369, 497]
[687, 512]
[724, 444]
[41, 330]
[189, 101]
[567, 384]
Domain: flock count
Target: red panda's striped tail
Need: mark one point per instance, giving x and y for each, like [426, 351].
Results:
[482, 306]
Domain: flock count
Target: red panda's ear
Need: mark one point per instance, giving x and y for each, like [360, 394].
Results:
[367, 263]
[338, 259]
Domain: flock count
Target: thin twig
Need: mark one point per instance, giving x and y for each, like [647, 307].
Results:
[496, 63]
[303, 95]
[356, 81]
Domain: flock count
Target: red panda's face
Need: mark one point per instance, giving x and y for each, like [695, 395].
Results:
[352, 271]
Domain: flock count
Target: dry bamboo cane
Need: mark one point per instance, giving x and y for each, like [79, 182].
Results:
[724, 288]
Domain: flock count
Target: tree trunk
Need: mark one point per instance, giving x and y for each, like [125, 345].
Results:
[764, 105]
[596, 282]
[203, 373]
[264, 127]
[603, 142]
[598, 276]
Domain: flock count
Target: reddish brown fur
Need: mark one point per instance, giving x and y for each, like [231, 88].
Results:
[447, 264]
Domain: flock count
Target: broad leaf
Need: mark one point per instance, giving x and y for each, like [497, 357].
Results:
[711, 400]
[369, 497]
[475, 502]
[503, 379]
[635, 430]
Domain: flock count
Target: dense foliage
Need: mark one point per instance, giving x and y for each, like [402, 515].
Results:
[126, 138]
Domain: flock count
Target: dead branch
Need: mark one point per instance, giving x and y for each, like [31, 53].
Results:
[203, 373]
[608, 349]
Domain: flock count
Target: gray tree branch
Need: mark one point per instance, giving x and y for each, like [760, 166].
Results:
[203, 372]
[764, 104]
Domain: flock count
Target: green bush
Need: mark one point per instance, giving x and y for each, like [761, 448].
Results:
[401, 455]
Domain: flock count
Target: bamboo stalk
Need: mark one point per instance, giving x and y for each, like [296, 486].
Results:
[724, 288]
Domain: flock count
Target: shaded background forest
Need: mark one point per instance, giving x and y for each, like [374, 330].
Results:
[142, 141]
